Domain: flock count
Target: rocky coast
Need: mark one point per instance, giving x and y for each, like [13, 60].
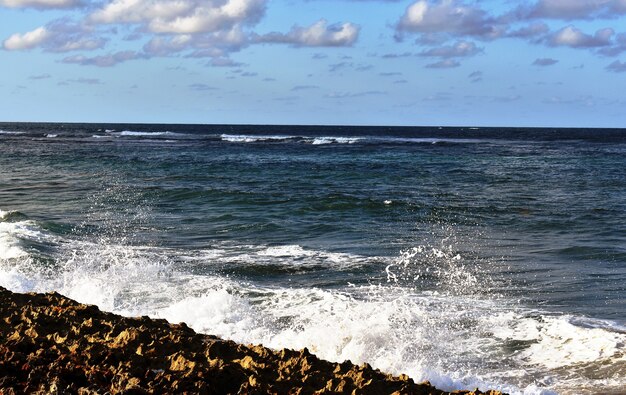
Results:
[50, 344]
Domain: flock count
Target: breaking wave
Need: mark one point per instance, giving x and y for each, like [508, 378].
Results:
[446, 334]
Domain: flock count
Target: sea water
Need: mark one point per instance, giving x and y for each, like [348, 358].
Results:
[490, 258]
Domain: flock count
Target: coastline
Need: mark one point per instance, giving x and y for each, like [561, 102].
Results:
[53, 344]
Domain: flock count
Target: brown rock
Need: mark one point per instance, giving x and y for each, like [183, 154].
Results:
[51, 344]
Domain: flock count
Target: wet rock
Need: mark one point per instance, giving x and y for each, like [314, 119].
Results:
[50, 344]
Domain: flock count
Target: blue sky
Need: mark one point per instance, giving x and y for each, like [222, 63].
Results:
[358, 62]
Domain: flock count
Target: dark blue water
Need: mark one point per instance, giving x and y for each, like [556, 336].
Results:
[428, 251]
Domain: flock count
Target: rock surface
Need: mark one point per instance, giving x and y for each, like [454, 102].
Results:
[50, 344]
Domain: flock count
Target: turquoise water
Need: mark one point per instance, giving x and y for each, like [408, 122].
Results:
[469, 257]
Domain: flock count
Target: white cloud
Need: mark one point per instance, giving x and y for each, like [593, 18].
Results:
[196, 28]
[575, 9]
[212, 45]
[459, 49]
[181, 16]
[163, 46]
[85, 44]
[40, 3]
[58, 36]
[572, 37]
[320, 34]
[230, 40]
[27, 40]
[105, 60]
[206, 28]
[448, 16]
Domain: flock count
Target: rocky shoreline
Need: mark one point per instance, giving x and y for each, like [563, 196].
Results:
[50, 344]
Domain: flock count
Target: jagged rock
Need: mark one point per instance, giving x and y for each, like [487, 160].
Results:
[50, 344]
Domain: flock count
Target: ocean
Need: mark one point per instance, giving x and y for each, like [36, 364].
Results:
[469, 257]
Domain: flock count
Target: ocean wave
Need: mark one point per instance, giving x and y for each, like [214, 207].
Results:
[9, 243]
[336, 140]
[441, 337]
[51, 136]
[295, 255]
[323, 140]
[10, 132]
[553, 342]
[12, 235]
[245, 260]
[131, 133]
[12, 216]
[244, 138]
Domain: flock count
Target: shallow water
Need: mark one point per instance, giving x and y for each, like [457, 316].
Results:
[493, 257]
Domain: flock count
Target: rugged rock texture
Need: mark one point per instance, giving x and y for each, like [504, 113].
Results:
[50, 344]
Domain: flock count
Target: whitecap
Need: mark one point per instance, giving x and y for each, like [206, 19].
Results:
[244, 138]
[336, 140]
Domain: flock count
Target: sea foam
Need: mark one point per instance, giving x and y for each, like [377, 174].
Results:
[11, 233]
[443, 336]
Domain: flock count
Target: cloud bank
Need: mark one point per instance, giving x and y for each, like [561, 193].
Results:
[211, 29]
[447, 30]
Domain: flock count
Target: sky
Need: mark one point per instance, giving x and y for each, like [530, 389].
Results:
[552, 63]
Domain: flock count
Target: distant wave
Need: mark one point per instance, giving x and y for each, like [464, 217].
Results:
[147, 134]
[244, 138]
[51, 136]
[322, 140]
[10, 132]
[336, 140]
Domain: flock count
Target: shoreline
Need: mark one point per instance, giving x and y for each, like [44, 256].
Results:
[53, 344]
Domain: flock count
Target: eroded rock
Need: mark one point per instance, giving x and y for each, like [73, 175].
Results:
[52, 344]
